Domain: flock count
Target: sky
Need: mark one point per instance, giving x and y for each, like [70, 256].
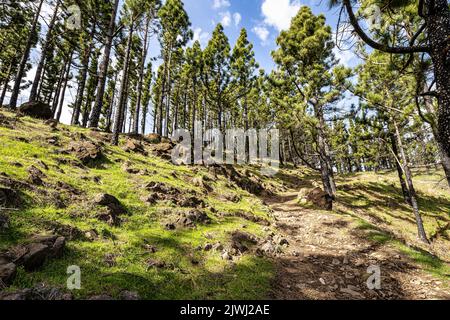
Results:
[263, 19]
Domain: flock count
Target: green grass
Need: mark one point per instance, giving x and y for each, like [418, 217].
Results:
[248, 277]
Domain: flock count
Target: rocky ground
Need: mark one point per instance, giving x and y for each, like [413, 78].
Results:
[328, 258]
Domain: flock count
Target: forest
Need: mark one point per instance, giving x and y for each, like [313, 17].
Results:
[140, 75]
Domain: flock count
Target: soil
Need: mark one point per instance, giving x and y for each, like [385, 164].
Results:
[328, 258]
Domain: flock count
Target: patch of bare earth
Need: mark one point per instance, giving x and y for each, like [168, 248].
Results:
[328, 259]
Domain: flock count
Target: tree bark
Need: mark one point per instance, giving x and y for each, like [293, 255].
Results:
[5, 87]
[63, 92]
[24, 59]
[412, 192]
[123, 87]
[135, 127]
[97, 109]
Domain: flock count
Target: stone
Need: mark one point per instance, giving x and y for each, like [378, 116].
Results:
[35, 176]
[134, 146]
[241, 240]
[218, 246]
[85, 151]
[153, 138]
[151, 263]
[7, 273]
[129, 296]
[9, 198]
[35, 257]
[4, 222]
[110, 202]
[36, 109]
[321, 199]
[208, 247]
[226, 256]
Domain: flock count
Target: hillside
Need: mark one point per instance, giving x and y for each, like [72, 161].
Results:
[138, 226]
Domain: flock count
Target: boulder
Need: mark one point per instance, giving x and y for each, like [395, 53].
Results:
[36, 109]
[101, 297]
[134, 146]
[7, 273]
[85, 151]
[112, 203]
[35, 257]
[153, 138]
[321, 199]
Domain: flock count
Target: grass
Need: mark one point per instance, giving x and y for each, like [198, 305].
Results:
[248, 277]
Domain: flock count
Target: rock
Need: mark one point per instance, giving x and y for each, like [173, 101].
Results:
[128, 169]
[135, 147]
[35, 176]
[322, 281]
[320, 199]
[35, 257]
[200, 182]
[39, 292]
[280, 241]
[241, 240]
[7, 273]
[110, 259]
[52, 123]
[153, 138]
[129, 296]
[151, 263]
[230, 197]
[101, 297]
[57, 250]
[85, 151]
[42, 164]
[226, 256]
[218, 246]
[112, 203]
[36, 109]
[4, 222]
[9, 198]
[350, 291]
[191, 202]
[91, 235]
[150, 199]
[208, 247]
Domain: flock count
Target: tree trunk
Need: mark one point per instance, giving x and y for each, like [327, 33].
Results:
[169, 92]
[63, 92]
[5, 87]
[97, 109]
[141, 79]
[123, 86]
[24, 59]
[45, 48]
[438, 23]
[58, 88]
[412, 192]
[405, 190]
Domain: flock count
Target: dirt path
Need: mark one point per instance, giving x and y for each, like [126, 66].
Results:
[328, 259]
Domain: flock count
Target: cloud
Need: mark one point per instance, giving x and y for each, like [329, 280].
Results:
[279, 13]
[346, 58]
[218, 4]
[262, 33]
[237, 18]
[226, 18]
[201, 36]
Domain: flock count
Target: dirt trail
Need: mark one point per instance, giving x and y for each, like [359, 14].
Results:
[328, 259]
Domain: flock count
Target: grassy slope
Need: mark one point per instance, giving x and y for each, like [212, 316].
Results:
[247, 278]
[373, 200]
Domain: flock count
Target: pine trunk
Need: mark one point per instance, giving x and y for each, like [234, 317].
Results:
[120, 109]
[24, 59]
[98, 105]
[45, 48]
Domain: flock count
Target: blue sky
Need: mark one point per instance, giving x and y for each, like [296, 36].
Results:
[263, 19]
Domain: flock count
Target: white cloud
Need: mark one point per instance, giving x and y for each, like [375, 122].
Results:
[346, 57]
[226, 18]
[218, 4]
[201, 36]
[262, 33]
[279, 13]
[237, 18]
